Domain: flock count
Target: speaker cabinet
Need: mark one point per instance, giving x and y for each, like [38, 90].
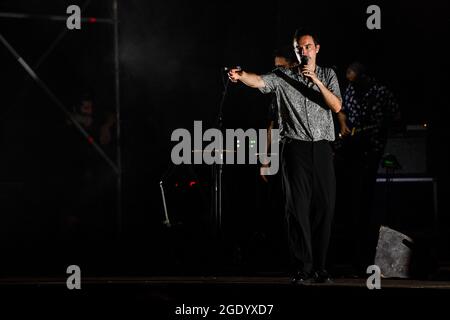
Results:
[410, 150]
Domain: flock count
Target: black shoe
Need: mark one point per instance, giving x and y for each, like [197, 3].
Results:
[302, 278]
[322, 276]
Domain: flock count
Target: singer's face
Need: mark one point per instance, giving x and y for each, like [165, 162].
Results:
[305, 46]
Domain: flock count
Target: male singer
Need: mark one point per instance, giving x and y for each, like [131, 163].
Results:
[306, 96]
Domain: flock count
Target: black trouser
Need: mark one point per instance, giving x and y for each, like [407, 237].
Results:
[310, 190]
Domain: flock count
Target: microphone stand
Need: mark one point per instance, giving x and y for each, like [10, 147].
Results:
[217, 171]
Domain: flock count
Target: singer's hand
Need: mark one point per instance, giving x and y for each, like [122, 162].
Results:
[235, 74]
[308, 72]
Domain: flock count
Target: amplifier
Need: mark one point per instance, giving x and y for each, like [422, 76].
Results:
[410, 150]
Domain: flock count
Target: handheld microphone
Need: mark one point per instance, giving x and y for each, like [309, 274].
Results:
[304, 60]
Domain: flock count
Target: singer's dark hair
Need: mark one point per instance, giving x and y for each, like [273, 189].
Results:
[286, 52]
[300, 32]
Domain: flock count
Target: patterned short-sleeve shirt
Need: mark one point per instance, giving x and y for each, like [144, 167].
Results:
[302, 112]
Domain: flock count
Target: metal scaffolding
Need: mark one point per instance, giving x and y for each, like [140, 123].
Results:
[116, 165]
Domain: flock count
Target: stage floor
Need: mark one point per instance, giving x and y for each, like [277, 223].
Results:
[222, 280]
[224, 297]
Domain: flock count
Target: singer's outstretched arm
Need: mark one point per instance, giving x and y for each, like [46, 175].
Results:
[250, 79]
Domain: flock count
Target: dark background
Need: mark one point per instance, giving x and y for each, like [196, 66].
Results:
[172, 55]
